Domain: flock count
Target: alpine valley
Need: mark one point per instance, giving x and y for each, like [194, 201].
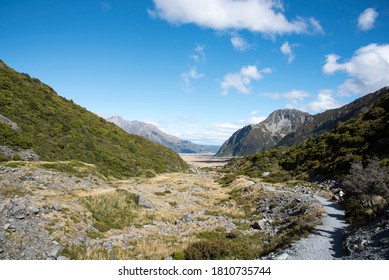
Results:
[76, 186]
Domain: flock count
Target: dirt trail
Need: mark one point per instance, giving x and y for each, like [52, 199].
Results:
[325, 242]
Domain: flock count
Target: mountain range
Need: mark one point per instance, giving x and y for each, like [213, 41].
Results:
[290, 126]
[156, 135]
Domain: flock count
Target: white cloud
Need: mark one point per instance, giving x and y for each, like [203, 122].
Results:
[241, 81]
[325, 101]
[105, 6]
[239, 43]
[188, 76]
[286, 49]
[199, 54]
[367, 19]
[272, 95]
[264, 16]
[295, 98]
[296, 95]
[315, 26]
[292, 95]
[368, 69]
[254, 112]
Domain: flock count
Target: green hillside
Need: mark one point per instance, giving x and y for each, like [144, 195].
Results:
[58, 129]
[351, 149]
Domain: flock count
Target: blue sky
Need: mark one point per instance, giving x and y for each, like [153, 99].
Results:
[201, 69]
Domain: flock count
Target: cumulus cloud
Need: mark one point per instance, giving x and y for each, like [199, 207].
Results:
[324, 101]
[263, 16]
[286, 49]
[239, 43]
[367, 19]
[367, 70]
[240, 81]
[188, 76]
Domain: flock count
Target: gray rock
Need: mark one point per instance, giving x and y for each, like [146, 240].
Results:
[1, 250]
[9, 206]
[20, 216]
[7, 226]
[54, 253]
[57, 206]
[2, 207]
[260, 224]
[142, 202]
[34, 210]
[283, 256]
[62, 258]
[186, 218]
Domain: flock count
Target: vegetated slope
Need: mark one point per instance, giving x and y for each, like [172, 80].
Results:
[356, 152]
[265, 135]
[328, 120]
[154, 134]
[58, 129]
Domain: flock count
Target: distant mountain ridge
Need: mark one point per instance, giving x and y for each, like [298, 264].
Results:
[265, 135]
[154, 134]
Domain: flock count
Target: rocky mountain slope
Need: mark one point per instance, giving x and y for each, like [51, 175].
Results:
[265, 135]
[329, 119]
[154, 134]
[36, 123]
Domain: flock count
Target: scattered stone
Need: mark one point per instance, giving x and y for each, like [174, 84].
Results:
[283, 256]
[1, 250]
[7, 226]
[54, 253]
[34, 210]
[62, 258]
[142, 202]
[265, 174]
[186, 218]
[57, 206]
[20, 216]
[260, 225]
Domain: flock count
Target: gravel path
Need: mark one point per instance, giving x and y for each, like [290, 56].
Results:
[325, 242]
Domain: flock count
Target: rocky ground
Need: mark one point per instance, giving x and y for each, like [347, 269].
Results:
[44, 214]
[370, 242]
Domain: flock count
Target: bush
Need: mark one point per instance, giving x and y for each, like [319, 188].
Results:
[367, 191]
[178, 255]
[208, 250]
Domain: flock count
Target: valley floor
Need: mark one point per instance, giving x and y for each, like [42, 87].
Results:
[47, 214]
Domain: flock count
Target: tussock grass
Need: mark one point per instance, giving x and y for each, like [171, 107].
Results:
[151, 248]
[113, 210]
